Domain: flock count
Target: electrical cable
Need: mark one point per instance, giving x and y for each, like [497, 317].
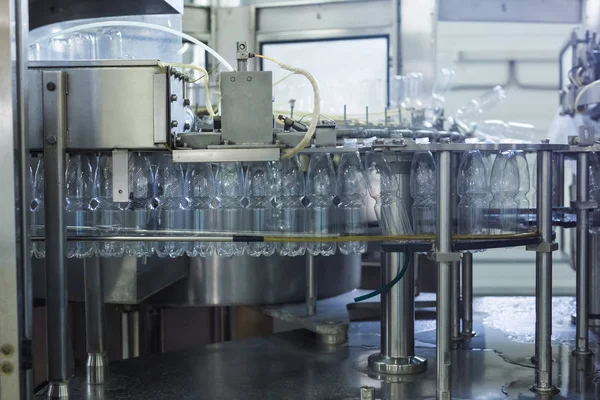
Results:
[388, 286]
[204, 72]
[289, 153]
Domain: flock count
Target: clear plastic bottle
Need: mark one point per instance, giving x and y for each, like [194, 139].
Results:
[36, 206]
[200, 182]
[171, 204]
[383, 187]
[78, 215]
[352, 210]
[473, 189]
[229, 183]
[423, 190]
[321, 212]
[523, 214]
[477, 106]
[109, 44]
[141, 181]
[504, 186]
[290, 190]
[259, 210]
[109, 214]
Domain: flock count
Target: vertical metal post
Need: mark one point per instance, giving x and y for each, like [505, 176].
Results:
[467, 295]
[95, 321]
[311, 286]
[130, 333]
[444, 290]
[54, 86]
[543, 289]
[125, 350]
[135, 333]
[456, 305]
[397, 354]
[594, 282]
[582, 260]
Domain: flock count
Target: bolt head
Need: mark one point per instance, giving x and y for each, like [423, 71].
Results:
[120, 191]
[186, 102]
[232, 79]
[242, 46]
[51, 139]
[51, 86]
[174, 124]
[173, 97]
[7, 368]
[7, 349]
[545, 141]
[249, 79]
[186, 126]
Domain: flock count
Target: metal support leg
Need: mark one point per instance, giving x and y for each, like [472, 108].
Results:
[594, 283]
[444, 290]
[543, 289]
[130, 333]
[95, 321]
[311, 286]
[582, 260]
[397, 321]
[456, 337]
[467, 295]
[54, 113]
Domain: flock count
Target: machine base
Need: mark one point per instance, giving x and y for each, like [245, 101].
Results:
[397, 366]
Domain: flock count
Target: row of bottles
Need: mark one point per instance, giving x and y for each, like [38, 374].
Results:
[492, 192]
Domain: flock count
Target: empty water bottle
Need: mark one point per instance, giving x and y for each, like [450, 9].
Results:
[321, 212]
[259, 210]
[383, 187]
[200, 191]
[78, 215]
[229, 182]
[36, 206]
[136, 212]
[423, 190]
[504, 186]
[473, 189]
[109, 214]
[170, 204]
[290, 190]
[523, 214]
[109, 44]
[351, 191]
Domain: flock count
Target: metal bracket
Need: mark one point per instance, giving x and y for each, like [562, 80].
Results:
[584, 205]
[587, 135]
[543, 247]
[120, 176]
[438, 256]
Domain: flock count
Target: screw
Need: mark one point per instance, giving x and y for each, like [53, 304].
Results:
[7, 368]
[51, 139]
[232, 79]
[7, 349]
[51, 86]
[120, 191]
[249, 79]
[186, 126]
[174, 124]
[186, 102]
[242, 46]
[173, 97]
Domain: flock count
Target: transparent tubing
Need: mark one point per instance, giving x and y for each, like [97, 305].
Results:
[138, 25]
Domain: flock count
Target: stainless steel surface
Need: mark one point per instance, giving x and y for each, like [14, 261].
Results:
[227, 155]
[543, 287]
[467, 295]
[444, 291]
[247, 107]
[292, 366]
[311, 286]
[594, 282]
[456, 336]
[15, 274]
[259, 280]
[130, 333]
[58, 391]
[57, 306]
[126, 280]
[132, 98]
[95, 321]
[397, 354]
[582, 260]
[367, 393]
[120, 175]
[547, 11]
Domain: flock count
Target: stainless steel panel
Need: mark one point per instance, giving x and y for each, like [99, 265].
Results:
[227, 155]
[549, 11]
[247, 107]
[159, 84]
[120, 176]
[196, 20]
[259, 280]
[126, 280]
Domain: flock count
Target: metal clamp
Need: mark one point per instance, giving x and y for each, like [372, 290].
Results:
[438, 256]
[584, 205]
[543, 247]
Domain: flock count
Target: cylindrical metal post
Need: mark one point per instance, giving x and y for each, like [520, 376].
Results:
[456, 337]
[582, 255]
[130, 333]
[54, 114]
[467, 295]
[594, 282]
[95, 322]
[543, 292]
[397, 321]
[311, 286]
[444, 290]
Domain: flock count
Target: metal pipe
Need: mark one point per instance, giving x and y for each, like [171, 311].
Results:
[455, 305]
[467, 295]
[543, 295]
[311, 286]
[95, 321]
[135, 333]
[125, 349]
[444, 290]
[582, 255]
[57, 306]
[397, 323]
